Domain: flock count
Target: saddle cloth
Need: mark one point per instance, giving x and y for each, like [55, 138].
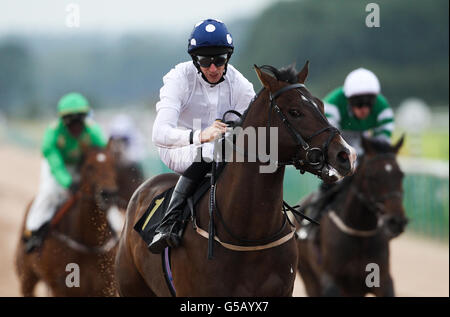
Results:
[150, 220]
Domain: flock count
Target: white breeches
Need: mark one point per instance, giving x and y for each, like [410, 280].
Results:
[50, 195]
[179, 159]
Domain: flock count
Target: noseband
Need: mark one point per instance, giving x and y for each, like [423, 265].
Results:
[301, 142]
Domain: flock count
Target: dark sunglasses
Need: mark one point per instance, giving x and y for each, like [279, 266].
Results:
[218, 60]
[72, 118]
[362, 101]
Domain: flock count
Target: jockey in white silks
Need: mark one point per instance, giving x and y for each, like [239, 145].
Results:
[195, 94]
[123, 127]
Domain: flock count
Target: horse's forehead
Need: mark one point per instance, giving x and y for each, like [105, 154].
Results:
[100, 157]
[388, 166]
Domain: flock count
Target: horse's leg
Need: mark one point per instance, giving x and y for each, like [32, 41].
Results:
[24, 267]
[28, 281]
[129, 281]
[307, 273]
[329, 286]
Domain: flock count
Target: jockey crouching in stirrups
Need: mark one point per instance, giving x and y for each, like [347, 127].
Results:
[194, 95]
[62, 150]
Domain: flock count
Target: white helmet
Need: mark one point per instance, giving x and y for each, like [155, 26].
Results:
[122, 126]
[361, 81]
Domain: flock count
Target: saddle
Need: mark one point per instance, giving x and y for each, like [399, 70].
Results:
[152, 217]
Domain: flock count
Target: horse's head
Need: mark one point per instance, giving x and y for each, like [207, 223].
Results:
[98, 175]
[118, 146]
[379, 183]
[305, 137]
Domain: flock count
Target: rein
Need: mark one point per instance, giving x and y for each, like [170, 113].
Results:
[298, 163]
[78, 246]
[353, 232]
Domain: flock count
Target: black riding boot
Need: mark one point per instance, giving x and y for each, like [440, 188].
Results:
[36, 239]
[168, 234]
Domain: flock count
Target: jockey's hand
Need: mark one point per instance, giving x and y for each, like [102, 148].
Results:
[74, 187]
[213, 132]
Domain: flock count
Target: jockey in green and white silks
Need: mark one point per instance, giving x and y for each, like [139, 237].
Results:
[359, 108]
[62, 152]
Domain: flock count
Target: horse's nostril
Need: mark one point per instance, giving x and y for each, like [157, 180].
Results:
[343, 157]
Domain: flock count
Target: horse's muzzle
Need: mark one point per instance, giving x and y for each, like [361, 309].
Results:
[395, 225]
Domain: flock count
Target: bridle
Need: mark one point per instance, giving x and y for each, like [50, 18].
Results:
[301, 142]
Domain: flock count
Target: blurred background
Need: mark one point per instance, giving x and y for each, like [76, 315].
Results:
[117, 53]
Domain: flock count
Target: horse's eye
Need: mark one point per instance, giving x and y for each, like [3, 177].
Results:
[294, 113]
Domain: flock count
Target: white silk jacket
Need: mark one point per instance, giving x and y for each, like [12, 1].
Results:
[188, 103]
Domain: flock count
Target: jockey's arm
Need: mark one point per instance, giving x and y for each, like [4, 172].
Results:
[55, 159]
[385, 119]
[173, 95]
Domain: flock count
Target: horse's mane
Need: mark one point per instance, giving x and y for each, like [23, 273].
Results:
[287, 74]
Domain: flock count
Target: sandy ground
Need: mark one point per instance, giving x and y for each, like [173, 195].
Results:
[419, 267]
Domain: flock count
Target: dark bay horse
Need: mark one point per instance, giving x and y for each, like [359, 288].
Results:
[352, 241]
[129, 174]
[81, 242]
[249, 201]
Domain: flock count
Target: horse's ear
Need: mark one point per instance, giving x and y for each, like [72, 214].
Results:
[265, 79]
[301, 77]
[399, 143]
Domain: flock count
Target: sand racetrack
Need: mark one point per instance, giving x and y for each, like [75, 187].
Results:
[419, 267]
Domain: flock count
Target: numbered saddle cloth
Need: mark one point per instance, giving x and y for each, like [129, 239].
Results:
[150, 220]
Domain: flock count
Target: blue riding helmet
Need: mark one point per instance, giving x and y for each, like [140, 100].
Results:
[210, 37]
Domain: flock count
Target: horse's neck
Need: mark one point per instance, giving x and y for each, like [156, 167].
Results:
[85, 222]
[249, 201]
[353, 211]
